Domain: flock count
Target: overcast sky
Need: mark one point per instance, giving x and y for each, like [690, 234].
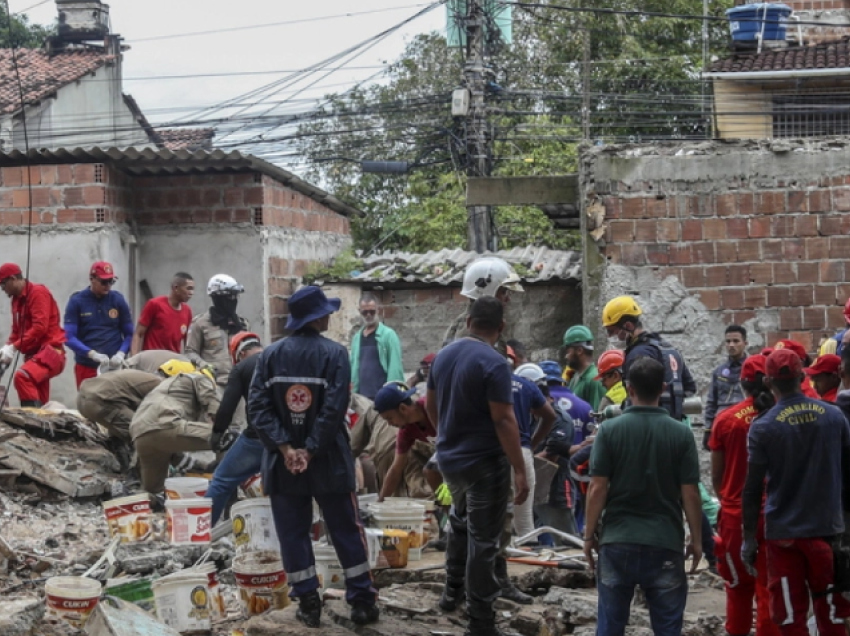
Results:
[270, 52]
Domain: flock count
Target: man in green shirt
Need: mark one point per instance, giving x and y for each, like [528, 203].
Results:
[644, 472]
[579, 344]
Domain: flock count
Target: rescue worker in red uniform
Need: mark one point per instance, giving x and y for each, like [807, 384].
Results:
[825, 377]
[728, 444]
[36, 334]
[799, 452]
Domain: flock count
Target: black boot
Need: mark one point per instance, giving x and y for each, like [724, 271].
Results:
[364, 613]
[482, 627]
[32, 404]
[310, 609]
[509, 590]
[451, 597]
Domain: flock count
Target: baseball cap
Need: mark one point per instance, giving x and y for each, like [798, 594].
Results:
[429, 359]
[784, 364]
[794, 346]
[391, 395]
[7, 270]
[102, 269]
[827, 363]
[752, 366]
[766, 351]
[552, 370]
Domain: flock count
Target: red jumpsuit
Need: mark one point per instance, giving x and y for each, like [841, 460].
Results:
[729, 436]
[38, 335]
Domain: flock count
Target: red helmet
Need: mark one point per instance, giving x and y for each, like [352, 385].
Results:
[847, 311]
[610, 361]
[240, 341]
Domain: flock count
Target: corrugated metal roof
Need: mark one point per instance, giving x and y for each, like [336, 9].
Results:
[444, 267]
[158, 162]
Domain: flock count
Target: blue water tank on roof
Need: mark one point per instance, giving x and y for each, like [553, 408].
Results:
[748, 21]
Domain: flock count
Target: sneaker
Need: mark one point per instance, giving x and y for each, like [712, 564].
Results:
[451, 597]
[310, 609]
[510, 592]
[364, 613]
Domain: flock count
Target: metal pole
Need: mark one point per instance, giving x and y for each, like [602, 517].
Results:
[479, 217]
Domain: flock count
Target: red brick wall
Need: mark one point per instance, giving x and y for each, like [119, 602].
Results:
[283, 207]
[744, 249]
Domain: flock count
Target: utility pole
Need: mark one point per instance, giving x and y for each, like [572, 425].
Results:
[478, 152]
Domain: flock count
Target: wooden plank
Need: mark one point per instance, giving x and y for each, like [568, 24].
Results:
[522, 190]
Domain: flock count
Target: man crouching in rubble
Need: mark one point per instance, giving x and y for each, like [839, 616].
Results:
[298, 403]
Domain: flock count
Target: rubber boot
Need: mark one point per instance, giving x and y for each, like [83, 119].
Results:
[310, 609]
[509, 590]
[364, 613]
[482, 627]
[451, 597]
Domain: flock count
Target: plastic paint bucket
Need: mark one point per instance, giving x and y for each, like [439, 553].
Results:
[137, 591]
[253, 526]
[253, 487]
[186, 487]
[395, 546]
[328, 567]
[429, 521]
[216, 600]
[261, 581]
[72, 598]
[407, 516]
[129, 518]
[377, 560]
[183, 601]
[189, 521]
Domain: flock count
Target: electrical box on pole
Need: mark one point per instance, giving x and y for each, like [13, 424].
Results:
[460, 102]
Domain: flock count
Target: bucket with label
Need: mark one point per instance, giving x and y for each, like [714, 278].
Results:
[189, 521]
[253, 487]
[253, 526]
[261, 581]
[328, 568]
[408, 516]
[72, 598]
[216, 601]
[186, 487]
[136, 591]
[430, 526]
[395, 548]
[377, 560]
[129, 518]
[183, 601]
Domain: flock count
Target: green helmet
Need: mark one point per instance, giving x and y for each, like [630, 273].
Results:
[579, 335]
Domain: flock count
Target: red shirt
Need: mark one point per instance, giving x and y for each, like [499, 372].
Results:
[407, 436]
[167, 327]
[830, 395]
[808, 389]
[35, 320]
[729, 435]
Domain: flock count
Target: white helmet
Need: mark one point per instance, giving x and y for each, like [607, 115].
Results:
[223, 284]
[484, 277]
[530, 371]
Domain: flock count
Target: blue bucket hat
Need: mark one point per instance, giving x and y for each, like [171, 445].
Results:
[308, 304]
[552, 370]
[391, 395]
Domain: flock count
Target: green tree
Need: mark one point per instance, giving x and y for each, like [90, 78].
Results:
[20, 33]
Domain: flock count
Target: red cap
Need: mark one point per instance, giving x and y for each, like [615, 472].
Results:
[784, 364]
[827, 363]
[794, 346]
[766, 351]
[428, 359]
[7, 270]
[752, 366]
[102, 269]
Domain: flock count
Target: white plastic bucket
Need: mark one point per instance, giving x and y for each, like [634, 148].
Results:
[253, 487]
[253, 526]
[72, 598]
[407, 516]
[186, 487]
[189, 521]
[328, 567]
[429, 521]
[216, 601]
[129, 518]
[183, 601]
[261, 581]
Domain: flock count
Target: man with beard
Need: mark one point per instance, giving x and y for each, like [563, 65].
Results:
[375, 352]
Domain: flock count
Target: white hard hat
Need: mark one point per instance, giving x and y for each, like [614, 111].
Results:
[223, 284]
[530, 371]
[484, 277]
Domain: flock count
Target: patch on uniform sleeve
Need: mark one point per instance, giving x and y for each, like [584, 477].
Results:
[113, 313]
[298, 398]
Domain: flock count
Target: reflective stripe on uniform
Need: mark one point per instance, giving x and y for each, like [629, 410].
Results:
[293, 380]
[357, 570]
[786, 597]
[731, 564]
[303, 575]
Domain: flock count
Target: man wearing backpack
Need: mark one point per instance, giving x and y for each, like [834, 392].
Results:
[621, 318]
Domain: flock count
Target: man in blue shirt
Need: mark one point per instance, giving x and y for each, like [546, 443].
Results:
[470, 396]
[799, 451]
[98, 325]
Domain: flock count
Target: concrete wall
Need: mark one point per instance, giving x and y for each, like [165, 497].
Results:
[709, 234]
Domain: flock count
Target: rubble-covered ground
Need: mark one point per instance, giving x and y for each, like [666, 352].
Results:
[52, 524]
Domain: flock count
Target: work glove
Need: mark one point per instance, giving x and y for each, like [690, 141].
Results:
[7, 354]
[117, 360]
[749, 551]
[443, 496]
[101, 358]
[706, 435]
[221, 441]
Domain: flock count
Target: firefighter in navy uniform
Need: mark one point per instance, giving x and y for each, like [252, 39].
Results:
[298, 401]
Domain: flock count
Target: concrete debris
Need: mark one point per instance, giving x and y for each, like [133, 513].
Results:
[114, 617]
[19, 615]
[53, 424]
[283, 623]
[545, 578]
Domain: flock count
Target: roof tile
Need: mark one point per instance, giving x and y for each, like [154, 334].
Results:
[190, 139]
[832, 54]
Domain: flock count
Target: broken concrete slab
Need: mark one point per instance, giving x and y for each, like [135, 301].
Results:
[53, 424]
[283, 623]
[386, 578]
[114, 617]
[545, 578]
[18, 616]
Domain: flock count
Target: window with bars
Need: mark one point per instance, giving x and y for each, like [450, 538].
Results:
[811, 115]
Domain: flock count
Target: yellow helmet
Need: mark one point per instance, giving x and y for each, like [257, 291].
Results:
[619, 307]
[173, 367]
